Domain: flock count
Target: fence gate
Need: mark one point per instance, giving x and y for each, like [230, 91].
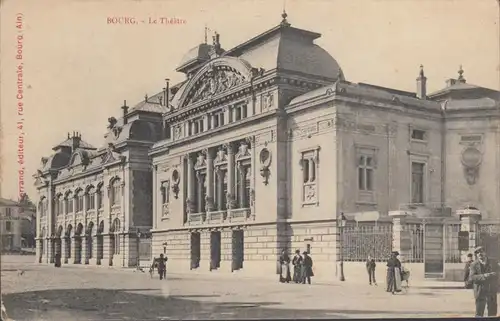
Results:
[434, 251]
[367, 239]
[488, 236]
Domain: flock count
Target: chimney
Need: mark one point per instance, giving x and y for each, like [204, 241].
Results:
[421, 84]
[76, 140]
[167, 92]
[125, 110]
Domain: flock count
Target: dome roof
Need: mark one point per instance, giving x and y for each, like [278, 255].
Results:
[198, 54]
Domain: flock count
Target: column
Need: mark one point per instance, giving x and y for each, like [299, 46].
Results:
[401, 237]
[469, 222]
[210, 181]
[219, 181]
[94, 259]
[190, 183]
[186, 128]
[106, 250]
[241, 190]
[64, 249]
[84, 256]
[230, 172]
[39, 250]
[227, 116]
[50, 250]
[74, 247]
[199, 192]
[206, 122]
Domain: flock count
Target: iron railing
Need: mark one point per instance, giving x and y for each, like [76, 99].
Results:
[367, 239]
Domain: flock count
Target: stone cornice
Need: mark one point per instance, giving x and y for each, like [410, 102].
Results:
[228, 127]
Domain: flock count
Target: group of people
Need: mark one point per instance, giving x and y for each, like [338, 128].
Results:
[396, 274]
[481, 275]
[302, 267]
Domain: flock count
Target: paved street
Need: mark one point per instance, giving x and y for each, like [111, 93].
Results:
[89, 293]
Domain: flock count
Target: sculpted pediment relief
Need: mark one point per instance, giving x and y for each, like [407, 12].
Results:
[215, 81]
[216, 77]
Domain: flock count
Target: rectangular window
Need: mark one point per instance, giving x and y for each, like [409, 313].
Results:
[91, 201]
[70, 205]
[237, 113]
[8, 226]
[417, 182]
[418, 134]
[8, 212]
[365, 173]
[309, 166]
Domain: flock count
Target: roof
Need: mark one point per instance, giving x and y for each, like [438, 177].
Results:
[8, 202]
[290, 49]
[369, 91]
[197, 54]
[69, 143]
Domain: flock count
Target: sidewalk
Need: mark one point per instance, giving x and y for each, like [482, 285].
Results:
[200, 274]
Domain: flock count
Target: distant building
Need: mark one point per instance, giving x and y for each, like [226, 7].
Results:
[261, 148]
[12, 218]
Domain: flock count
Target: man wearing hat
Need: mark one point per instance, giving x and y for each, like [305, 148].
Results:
[484, 277]
[467, 281]
[307, 270]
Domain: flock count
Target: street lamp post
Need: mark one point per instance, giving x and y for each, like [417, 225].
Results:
[342, 220]
[138, 234]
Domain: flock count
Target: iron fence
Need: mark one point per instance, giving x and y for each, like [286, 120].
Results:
[367, 239]
[488, 236]
[451, 239]
[416, 253]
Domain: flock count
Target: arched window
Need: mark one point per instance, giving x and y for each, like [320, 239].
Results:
[90, 198]
[59, 204]
[115, 196]
[69, 202]
[79, 201]
[99, 197]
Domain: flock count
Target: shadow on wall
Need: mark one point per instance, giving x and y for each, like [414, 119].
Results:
[101, 304]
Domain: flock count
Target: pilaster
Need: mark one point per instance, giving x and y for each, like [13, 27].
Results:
[469, 222]
[74, 250]
[84, 257]
[226, 263]
[205, 250]
[209, 204]
[190, 183]
[64, 250]
[401, 237]
[230, 179]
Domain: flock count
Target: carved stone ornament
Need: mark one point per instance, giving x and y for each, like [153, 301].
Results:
[265, 162]
[230, 201]
[215, 81]
[175, 183]
[243, 151]
[189, 206]
[165, 209]
[177, 132]
[471, 161]
[209, 204]
[267, 101]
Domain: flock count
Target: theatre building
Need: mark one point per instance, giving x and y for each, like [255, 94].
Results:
[263, 146]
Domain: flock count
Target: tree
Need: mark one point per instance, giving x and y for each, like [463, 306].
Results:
[26, 203]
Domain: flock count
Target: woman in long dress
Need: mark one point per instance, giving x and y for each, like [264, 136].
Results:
[297, 267]
[284, 261]
[394, 273]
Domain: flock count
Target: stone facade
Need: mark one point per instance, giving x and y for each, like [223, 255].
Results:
[265, 144]
[94, 201]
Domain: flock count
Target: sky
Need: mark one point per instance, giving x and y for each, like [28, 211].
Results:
[78, 68]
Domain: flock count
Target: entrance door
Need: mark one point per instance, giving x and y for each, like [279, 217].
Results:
[215, 250]
[195, 250]
[434, 251]
[237, 250]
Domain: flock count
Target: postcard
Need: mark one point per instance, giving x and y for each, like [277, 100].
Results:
[249, 159]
